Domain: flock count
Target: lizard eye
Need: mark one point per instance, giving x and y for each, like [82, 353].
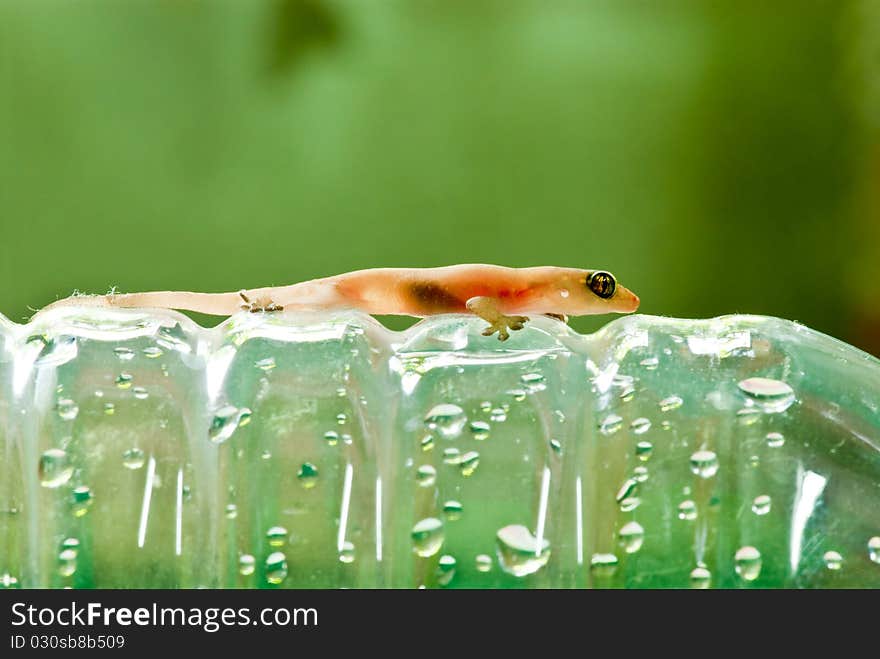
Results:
[602, 284]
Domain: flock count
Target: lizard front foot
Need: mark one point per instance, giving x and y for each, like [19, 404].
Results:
[487, 308]
[258, 305]
[504, 323]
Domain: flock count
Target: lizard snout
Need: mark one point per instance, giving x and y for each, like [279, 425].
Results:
[629, 301]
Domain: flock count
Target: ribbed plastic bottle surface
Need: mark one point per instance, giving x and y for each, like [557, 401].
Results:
[138, 450]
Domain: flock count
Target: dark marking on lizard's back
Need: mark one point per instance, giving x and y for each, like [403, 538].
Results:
[433, 298]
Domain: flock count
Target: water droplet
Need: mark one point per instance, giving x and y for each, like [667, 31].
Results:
[226, 421]
[498, 415]
[346, 554]
[452, 509]
[70, 543]
[426, 475]
[775, 439]
[451, 456]
[533, 381]
[687, 510]
[701, 578]
[276, 568]
[483, 562]
[133, 458]
[67, 409]
[519, 552]
[644, 449]
[650, 363]
[833, 560]
[7, 581]
[629, 504]
[152, 352]
[346, 439]
[519, 395]
[640, 473]
[772, 395]
[874, 549]
[748, 563]
[109, 409]
[67, 562]
[603, 565]
[704, 464]
[140, 393]
[556, 445]
[427, 443]
[277, 536]
[445, 569]
[124, 380]
[748, 416]
[446, 419]
[640, 426]
[266, 364]
[246, 565]
[231, 511]
[480, 430]
[626, 490]
[631, 537]
[610, 424]
[761, 505]
[55, 468]
[341, 418]
[627, 393]
[82, 500]
[307, 475]
[124, 354]
[670, 403]
[486, 406]
[468, 463]
[427, 536]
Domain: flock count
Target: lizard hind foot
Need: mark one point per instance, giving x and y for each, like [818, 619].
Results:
[258, 305]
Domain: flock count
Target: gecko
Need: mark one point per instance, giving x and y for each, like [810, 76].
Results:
[497, 294]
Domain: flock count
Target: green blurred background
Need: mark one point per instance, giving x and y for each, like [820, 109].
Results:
[717, 157]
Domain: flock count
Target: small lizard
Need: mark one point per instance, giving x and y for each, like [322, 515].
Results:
[496, 294]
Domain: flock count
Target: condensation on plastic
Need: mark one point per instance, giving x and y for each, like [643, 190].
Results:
[294, 450]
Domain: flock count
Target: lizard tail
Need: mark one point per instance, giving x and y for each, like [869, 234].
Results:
[215, 304]
[310, 295]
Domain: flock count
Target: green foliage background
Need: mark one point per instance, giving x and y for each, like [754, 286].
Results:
[717, 157]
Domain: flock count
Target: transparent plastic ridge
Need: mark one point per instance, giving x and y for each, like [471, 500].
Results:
[140, 450]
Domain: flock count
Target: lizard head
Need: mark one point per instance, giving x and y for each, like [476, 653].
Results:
[587, 292]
